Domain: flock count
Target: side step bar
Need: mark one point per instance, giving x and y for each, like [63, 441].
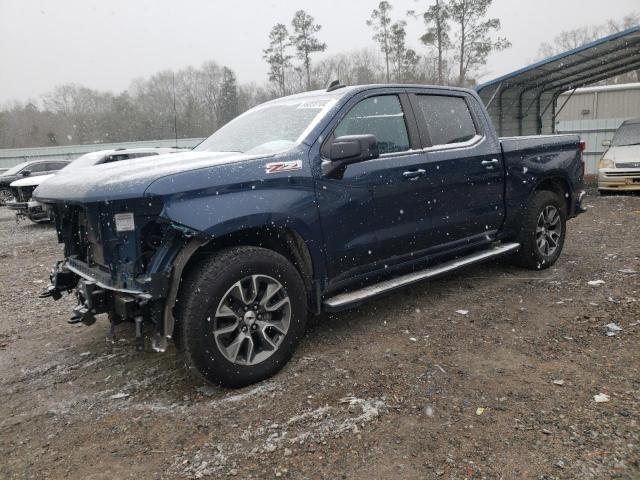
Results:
[357, 296]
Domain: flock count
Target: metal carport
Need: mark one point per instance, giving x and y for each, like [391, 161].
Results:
[524, 102]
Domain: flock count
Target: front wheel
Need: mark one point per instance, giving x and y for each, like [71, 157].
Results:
[5, 195]
[241, 315]
[543, 231]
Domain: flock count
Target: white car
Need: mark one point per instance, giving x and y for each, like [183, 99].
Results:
[23, 188]
[619, 168]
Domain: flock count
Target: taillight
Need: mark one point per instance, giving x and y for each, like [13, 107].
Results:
[583, 145]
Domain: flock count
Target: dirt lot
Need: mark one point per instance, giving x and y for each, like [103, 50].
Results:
[395, 389]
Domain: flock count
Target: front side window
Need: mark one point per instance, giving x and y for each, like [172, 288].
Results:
[381, 116]
[37, 168]
[448, 119]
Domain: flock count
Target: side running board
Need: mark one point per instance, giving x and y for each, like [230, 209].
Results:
[357, 296]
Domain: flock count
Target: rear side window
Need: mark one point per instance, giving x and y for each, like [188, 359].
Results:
[381, 116]
[448, 119]
[51, 167]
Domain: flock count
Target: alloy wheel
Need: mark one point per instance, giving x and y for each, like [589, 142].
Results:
[252, 320]
[548, 230]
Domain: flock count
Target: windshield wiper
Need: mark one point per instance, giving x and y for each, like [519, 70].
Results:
[627, 144]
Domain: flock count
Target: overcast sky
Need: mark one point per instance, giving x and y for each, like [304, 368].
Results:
[104, 44]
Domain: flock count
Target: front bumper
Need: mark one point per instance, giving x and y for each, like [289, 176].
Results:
[579, 207]
[613, 179]
[32, 209]
[95, 293]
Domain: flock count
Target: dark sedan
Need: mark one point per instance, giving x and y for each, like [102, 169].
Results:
[32, 168]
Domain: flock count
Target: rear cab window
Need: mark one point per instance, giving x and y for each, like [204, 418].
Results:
[446, 119]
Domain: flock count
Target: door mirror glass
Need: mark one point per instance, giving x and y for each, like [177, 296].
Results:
[606, 143]
[25, 173]
[354, 148]
[349, 149]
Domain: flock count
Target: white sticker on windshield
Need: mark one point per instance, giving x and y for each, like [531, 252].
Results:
[315, 104]
[282, 167]
[124, 222]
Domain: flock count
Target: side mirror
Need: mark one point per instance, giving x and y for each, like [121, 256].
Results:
[25, 173]
[606, 143]
[350, 149]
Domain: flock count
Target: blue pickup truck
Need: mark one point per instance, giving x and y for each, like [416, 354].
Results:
[309, 203]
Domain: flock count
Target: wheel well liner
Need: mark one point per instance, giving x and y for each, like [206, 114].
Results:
[559, 186]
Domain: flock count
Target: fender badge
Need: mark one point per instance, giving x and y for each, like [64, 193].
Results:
[282, 167]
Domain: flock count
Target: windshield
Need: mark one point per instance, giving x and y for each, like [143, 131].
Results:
[627, 134]
[87, 160]
[14, 170]
[269, 128]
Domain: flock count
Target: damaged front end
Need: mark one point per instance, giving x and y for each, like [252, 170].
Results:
[123, 259]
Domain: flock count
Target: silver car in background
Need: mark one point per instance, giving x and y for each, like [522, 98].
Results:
[619, 168]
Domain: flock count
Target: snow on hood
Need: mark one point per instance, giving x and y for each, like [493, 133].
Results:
[31, 181]
[128, 178]
[629, 153]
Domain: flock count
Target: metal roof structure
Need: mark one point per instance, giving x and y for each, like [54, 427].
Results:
[524, 102]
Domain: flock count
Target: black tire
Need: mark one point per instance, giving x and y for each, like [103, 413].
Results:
[530, 255]
[5, 195]
[605, 193]
[201, 295]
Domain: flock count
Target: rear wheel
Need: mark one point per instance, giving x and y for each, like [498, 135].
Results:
[543, 231]
[241, 315]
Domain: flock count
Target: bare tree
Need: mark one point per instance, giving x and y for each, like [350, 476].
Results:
[380, 21]
[304, 40]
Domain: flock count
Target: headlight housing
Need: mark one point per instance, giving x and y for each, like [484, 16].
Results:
[606, 163]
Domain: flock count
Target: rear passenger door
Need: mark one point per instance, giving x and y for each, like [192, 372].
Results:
[464, 184]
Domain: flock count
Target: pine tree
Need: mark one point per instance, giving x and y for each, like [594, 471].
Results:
[228, 96]
[381, 23]
[304, 40]
[277, 56]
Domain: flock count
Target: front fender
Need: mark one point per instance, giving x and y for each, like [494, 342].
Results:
[219, 214]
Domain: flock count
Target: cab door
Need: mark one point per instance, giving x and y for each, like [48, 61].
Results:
[464, 190]
[370, 215]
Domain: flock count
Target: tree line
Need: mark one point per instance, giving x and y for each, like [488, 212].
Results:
[457, 38]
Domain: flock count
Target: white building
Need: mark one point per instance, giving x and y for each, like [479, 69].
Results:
[595, 113]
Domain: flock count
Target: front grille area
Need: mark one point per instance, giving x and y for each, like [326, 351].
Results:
[23, 194]
[622, 174]
[628, 165]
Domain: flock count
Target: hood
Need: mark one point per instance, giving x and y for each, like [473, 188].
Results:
[31, 181]
[128, 178]
[629, 153]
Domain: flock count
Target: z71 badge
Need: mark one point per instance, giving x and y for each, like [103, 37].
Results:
[282, 167]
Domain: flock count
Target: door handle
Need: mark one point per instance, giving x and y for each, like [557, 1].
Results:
[414, 174]
[489, 162]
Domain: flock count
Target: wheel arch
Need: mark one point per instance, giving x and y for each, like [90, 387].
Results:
[557, 184]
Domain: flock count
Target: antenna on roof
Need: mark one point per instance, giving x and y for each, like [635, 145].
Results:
[175, 113]
[335, 85]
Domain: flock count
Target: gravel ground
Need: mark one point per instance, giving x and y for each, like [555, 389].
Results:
[403, 387]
